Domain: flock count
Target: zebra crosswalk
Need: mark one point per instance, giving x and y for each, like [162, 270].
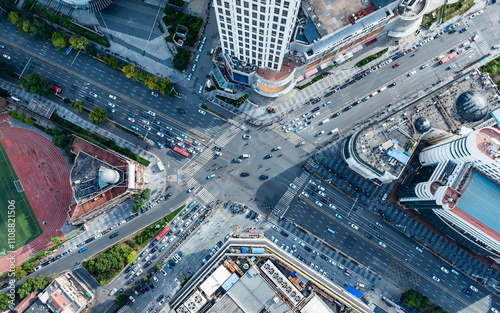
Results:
[280, 208]
[200, 193]
[192, 167]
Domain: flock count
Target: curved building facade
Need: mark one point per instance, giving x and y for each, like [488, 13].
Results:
[410, 18]
[457, 188]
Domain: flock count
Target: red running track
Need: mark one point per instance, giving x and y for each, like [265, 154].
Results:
[45, 176]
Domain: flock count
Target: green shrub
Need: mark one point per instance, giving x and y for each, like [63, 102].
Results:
[371, 57]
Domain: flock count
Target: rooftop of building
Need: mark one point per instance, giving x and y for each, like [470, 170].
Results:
[411, 8]
[65, 293]
[287, 69]
[488, 142]
[330, 16]
[437, 110]
[479, 204]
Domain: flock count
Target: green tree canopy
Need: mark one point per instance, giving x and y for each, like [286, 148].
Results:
[13, 17]
[33, 83]
[78, 42]
[98, 116]
[59, 41]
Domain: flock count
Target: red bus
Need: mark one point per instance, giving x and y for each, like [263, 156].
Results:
[57, 89]
[162, 233]
[181, 152]
[374, 40]
[446, 59]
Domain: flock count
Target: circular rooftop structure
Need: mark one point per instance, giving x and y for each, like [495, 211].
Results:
[472, 106]
[422, 124]
[109, 176]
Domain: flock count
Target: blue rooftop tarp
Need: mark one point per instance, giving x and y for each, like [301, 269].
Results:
[398, 155]
[496, 115]
[230, 282]
[355, 292]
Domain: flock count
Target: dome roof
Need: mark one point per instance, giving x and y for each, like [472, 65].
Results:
[472, 106]
[109, 176]
[422, 124]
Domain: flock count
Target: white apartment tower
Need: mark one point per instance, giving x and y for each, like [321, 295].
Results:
[257, 32]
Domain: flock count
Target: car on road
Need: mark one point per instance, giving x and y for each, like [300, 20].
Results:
[193, 68]
[356, 227]
[305, 114]
[326, 103]
[190, 76]
[244, 174]
[473, 288]
[339, 216]
[411, 73]
[494, 310]
[468, 292]
[419, 249]
[263, 177]
[382, 244]
[211, 176]
[160, 134]
[112, 292]
[268, 156]
[436, 278]
[369, 236]
[450, 67]
[318, 203]
[151, 113]
[6, 56]
[445, 270]
[424, 66]
[247, 137]
[112, 97]
[2, 47]
[82, 250]
[276, 148]
[89, 99]
[134, 127]
[202, 112]
[463, 30]
[92, 94]
[113, 235]
[293, 186]
[396, 65]
[131, 119]
[495, 47]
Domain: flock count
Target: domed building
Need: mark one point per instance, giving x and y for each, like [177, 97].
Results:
[422, 124]
[108, 176]
[472, 106]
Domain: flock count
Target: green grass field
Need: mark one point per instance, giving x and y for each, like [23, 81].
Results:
[26, 226]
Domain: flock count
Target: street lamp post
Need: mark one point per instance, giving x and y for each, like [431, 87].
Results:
[352, 207]
[24, 68]
[78, 47]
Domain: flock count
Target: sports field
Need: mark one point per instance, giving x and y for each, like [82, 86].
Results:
[26, 224]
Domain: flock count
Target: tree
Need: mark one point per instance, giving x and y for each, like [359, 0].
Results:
[78, 42]
[56, 239]
[28, 120]
[112, 61]
[158, 267]
[4, 93]
[129, 70]
[145, 279]
[59, 41]
[33, 83]
[90, 50]
[26, 26]
[145, 194]
[412, 298]
[19, 272]
[181, 59]
[4, 302]
[425, 303]
[132, 257]
[13, 17]
[121, 300]
[435, 309]
[29, 267]
[98, 116]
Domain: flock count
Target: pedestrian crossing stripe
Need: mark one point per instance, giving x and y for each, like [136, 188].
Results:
[295, 139]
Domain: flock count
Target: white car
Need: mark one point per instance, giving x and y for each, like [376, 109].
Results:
[436, 278]
[112, 292]
[494, 310]
[148, 257]
[321, 188]
[160, 134]
[151, 113]
[381, 243]
[411, 73]
[356, 227]
[293, 186]
[440, 57]
[155, 279]
[93, 94]
[247, 137]
[495, 47]
[111, 104]
[163, 272]
[6, 56]
[332, 206]
[177, 281]
[138, 273]
[445, 270]
[131, 119]
[112, 97]
[318, 203]
[473, 288]
[321, 193]
[202, 112]
[154, 94]
[305, 114]
[305, 194]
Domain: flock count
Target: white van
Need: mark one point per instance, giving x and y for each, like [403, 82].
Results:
[245, 156]
[325, 121]
[15, 98]
[474, 38]
[333, 131]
